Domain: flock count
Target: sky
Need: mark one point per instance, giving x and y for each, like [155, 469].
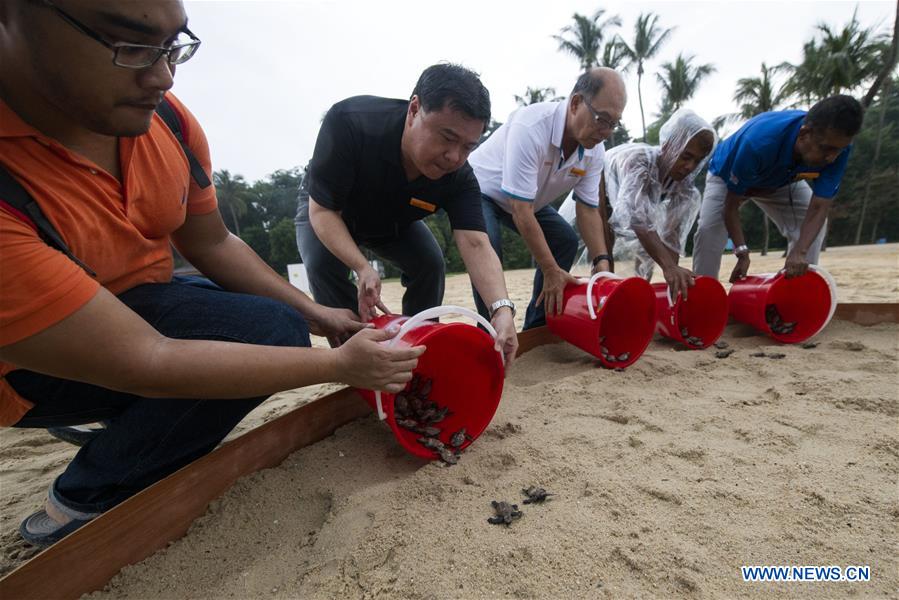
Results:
[269, 70]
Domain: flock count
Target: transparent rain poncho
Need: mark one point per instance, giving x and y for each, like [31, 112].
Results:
[643, 195]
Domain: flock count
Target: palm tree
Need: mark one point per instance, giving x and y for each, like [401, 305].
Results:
[583, 39]
[233, 194]
[680, 80]
[614, 57]
[534, 95]
[841, 60]
[648, 40]
[756, 95]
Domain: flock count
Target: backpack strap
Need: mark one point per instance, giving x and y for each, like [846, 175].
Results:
[23, 206]
[19, 202]
[171, 117]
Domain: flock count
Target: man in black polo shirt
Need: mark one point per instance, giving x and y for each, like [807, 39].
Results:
[379, 167]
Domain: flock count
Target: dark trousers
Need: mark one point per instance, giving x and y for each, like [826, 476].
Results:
[560, 237]
[147, 439]
[413, 250]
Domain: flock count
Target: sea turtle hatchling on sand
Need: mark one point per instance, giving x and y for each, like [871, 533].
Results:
[535, 495]
[505, 513]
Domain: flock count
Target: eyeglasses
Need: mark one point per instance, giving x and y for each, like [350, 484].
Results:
[599, 120]
[135, 56]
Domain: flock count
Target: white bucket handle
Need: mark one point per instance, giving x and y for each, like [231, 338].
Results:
[832, 284]
[590, 289]
[431, 313]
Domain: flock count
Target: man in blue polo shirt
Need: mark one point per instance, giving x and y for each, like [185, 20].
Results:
[773, 160]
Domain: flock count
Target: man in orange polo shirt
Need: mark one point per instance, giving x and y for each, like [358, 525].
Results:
[170, 365]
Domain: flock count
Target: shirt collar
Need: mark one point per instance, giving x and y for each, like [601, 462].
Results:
[559, 116]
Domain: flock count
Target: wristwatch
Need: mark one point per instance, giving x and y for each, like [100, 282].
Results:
[741, 250]
[501, 303]
[600, 257]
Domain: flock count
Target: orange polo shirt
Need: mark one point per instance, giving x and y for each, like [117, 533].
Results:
[120, 229]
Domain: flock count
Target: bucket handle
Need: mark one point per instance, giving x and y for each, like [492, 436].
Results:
[432, 313]
[832, 284]
[590, 289]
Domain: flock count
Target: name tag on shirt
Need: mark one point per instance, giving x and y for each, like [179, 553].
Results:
[806, 176]
[577, 172]
[423, 205]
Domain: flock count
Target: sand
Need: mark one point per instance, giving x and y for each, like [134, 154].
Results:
[669, 476]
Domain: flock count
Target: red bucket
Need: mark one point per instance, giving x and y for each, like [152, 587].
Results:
[465, 369]
[703, 315]
[620, 327]
[806, 302]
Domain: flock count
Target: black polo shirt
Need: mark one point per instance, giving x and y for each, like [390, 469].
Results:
[357, 169]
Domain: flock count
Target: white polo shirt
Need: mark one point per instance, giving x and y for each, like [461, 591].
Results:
[523, 160]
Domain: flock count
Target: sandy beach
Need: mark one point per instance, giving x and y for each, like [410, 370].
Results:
[669, 476]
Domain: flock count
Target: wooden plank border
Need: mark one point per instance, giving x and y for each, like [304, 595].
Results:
[86, 560]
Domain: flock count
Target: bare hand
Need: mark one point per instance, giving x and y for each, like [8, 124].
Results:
[795, 265]
[602, 265]
[554, 283]
[506, 338]
[370, 294]
[679, 280]
[336, 324]
[365, 363]
[741, 269]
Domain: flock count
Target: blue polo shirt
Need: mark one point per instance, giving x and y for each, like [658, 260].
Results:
[760, 155]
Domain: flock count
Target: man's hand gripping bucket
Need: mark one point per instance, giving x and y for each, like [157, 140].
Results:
[465, 369]
[703, 316]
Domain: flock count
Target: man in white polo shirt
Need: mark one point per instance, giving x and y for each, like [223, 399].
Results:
[539, 155]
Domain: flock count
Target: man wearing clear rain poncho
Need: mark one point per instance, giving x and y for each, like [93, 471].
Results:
[653, 199]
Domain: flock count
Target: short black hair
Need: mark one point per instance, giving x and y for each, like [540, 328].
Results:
[446, 84]
[841, 113]
[588, 85]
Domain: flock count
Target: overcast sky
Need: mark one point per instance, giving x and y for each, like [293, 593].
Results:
[268, 70]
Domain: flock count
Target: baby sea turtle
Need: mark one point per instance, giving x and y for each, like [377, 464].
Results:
[535, 495]
[775, 320]
[721, 344]
[724, 353]
[447, 456]
[401, 405]
[409, 424]
[458, 438]
[624, 356]
[431, 443]
[505, 513]
[809, 345]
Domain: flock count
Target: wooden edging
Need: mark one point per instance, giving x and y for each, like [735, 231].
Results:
[86, 560]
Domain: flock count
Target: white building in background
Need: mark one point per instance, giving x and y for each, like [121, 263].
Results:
[298, 278]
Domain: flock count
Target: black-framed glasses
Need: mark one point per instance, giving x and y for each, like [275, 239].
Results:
[599, 120]
[135, 56]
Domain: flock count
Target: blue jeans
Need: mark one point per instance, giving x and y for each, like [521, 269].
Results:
[560, 237]
[147, 439]
[413, 249]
